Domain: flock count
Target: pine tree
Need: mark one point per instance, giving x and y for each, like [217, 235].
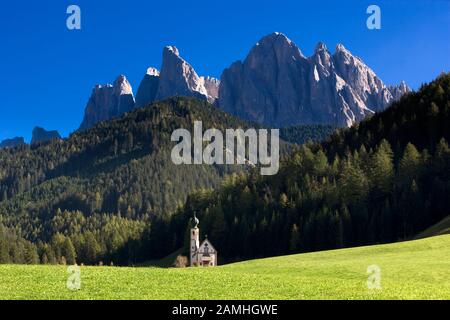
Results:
[320, 163]
[98, 201]
[57, 243]
[409, 165]
[382, 170]
[4, 250]
[91, 248]
[31, 255]
[68, 251]
[353, 184]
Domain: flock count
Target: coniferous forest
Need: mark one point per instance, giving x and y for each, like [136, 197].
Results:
[98, 189]
[111, 194]
[306, 133]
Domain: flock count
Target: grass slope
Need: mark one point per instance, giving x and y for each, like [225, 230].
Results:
[440, 228]
[166, 262]
[416, 269]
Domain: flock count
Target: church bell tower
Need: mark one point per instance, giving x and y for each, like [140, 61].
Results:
[195, 242]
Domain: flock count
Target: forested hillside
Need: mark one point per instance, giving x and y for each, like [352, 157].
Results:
[87, 195]
[111, 194]
[383, 180]
[306, 133]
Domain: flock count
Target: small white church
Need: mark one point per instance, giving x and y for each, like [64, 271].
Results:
[201, 254]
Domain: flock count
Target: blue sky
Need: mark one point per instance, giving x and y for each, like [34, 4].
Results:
[48, 71]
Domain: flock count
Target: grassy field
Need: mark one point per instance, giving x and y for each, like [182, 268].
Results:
[417, 269]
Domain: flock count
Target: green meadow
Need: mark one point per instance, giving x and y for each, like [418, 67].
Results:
[418, 269]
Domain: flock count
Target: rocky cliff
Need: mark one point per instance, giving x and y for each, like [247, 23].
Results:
[42, 135]
[11, 143]
[177, 78]
[277, 85]
[108, 101]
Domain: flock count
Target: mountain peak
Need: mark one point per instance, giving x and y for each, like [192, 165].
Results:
[11, 143]
[121, 78]
[321, 47]
[122, 86]
[178, 78]
[41, 135]
[399, 90]
[171, 50]
[108, 101]
[340, 48]
[404, 85]
[275, 39]
[151, 71]
[274, 48]
[276, 85]
[322, 57]
[147, 88]
[273, 36]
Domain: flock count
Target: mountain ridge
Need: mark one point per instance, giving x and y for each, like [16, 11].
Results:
[275, 85]
[12, 143]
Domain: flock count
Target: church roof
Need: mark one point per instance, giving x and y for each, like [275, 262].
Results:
[209, 244]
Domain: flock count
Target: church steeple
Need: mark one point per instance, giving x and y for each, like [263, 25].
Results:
[195, 221]
[195, 241]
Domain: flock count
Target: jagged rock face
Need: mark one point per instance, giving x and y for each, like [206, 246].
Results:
[363, 81]
[42, 135]
[269, 77]
[212, 88]
[148, 88]
[277, 85]
[399, 90]
[177, 78]
[108, 101]
[11, 143]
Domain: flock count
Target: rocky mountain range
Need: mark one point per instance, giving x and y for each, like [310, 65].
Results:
[278, 86]
[275, 85]
[176, 78]
[399, 90]
[38, 135]
[11, 143]
[42, 135]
